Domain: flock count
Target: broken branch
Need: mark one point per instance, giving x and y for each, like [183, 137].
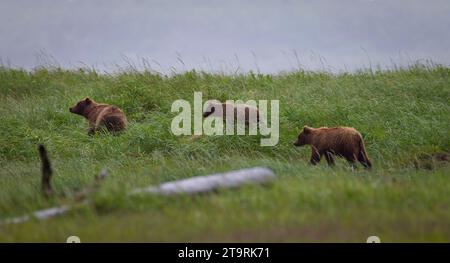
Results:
[46, 169]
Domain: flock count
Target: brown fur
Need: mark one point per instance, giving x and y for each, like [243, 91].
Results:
[212, 108]
[342, 141]
[100, 115]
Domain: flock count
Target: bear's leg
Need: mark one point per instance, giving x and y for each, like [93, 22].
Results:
[315, 156]
[92, 130]
[111, 125]
[364, 161]
[114, 124]
[351, 159]
[330, 158]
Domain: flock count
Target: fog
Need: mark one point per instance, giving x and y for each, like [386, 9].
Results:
[224, 36]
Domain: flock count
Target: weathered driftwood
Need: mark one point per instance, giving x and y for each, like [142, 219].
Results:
[193, 185]
[46, 169]
[79, 197]
[40, 215]
[212, 182]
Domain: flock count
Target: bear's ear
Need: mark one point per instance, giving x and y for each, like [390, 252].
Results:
[88, 100]
[306, 129]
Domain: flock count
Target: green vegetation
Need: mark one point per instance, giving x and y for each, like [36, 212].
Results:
[403, 115]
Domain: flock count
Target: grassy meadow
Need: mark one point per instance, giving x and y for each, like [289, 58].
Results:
[403, 115]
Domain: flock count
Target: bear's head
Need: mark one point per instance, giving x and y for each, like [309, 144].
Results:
[81, 106]
[304, 137]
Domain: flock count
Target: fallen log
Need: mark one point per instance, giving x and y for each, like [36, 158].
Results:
[207, 183]
[39, 214]
[193, 185]
[80, 197]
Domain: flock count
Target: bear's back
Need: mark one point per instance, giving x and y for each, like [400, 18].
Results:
[335, 138]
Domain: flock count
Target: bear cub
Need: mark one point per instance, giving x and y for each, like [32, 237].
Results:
[248, 113]
[341, 141]
[100, 115]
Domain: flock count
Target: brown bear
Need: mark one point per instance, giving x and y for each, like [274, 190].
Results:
[100, 115]
[248, 113]
[341, 141]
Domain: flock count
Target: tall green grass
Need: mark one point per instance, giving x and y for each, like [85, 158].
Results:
[403, 115]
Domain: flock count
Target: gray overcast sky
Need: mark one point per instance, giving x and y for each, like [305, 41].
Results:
[225, 35]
